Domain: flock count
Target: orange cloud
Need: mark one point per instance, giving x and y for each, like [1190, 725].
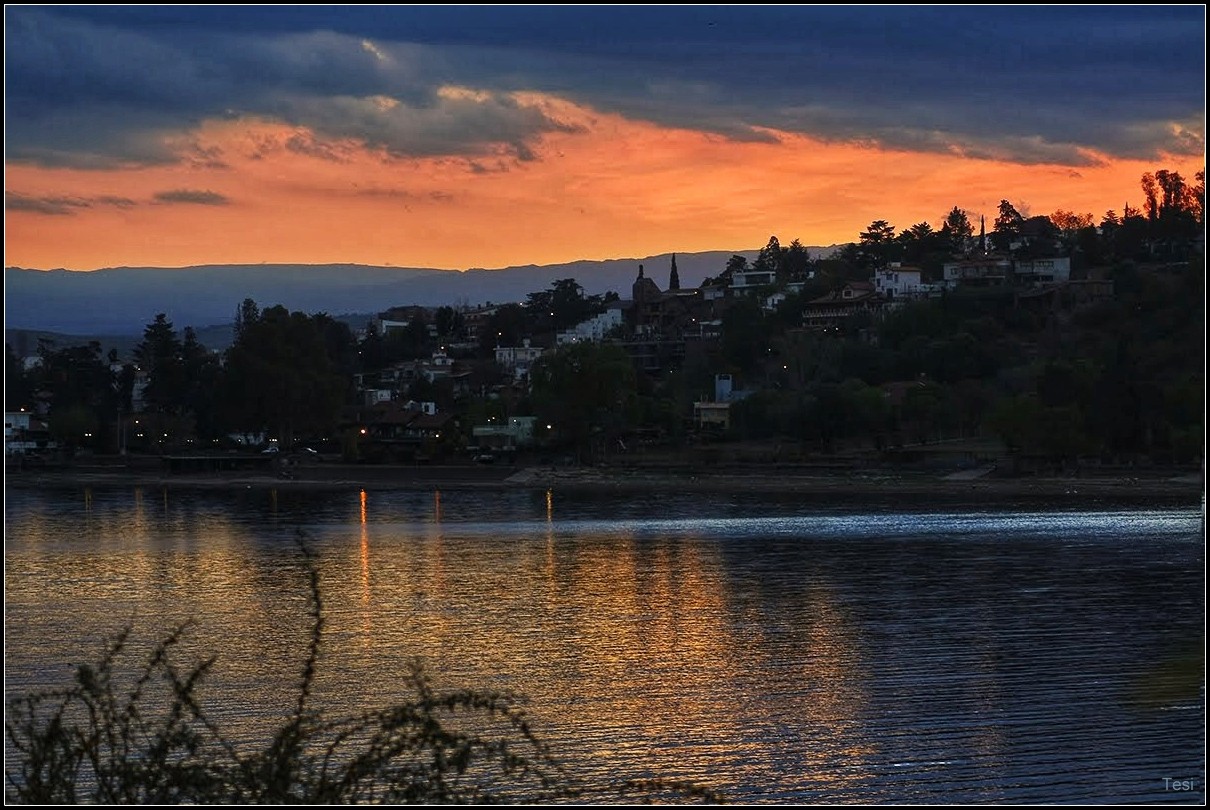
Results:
[601, 187]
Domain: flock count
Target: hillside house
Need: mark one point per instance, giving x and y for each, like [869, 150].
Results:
[25, 433]
[983, 271]
[518, 359]
[897, 282]
[506, 437]
[831, 310]
[749, 282]
[595, 328]
[1042, 271]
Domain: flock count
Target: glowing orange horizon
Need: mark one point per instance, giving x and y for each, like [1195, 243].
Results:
[609, 188]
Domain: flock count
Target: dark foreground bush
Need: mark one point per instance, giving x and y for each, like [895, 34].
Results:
[145, 739]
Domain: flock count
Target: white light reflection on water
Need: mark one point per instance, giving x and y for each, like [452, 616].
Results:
[779, 655]
[1096, 525]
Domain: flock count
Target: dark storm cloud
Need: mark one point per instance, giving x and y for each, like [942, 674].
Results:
[88, 94]
[1032, 84]
[192, 197]
[448, 125]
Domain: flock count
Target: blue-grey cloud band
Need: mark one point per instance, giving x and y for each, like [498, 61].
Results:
[98, 86]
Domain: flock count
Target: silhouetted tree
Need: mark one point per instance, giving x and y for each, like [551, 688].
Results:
[505, 327]
[921, 246]
[1069, 225]
[449, 323]
[18, 392]
[79, 387]
[745, 336]
[587, 393]
[1007, 227]
[201, 371]
[796, 261]
[159, 356]
[958, 230]
[1039, 234]
[769, 259]
[246, 313]
[1151, 196]
[877, 245]
[410, 342]
[562, 306]
[281, 377]
[371, 354]
[736, 264]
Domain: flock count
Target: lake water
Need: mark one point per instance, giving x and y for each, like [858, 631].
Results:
[776, 650]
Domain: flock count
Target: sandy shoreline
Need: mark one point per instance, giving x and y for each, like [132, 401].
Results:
[881, 485]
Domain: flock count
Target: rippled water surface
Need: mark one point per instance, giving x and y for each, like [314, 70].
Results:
[779, 652]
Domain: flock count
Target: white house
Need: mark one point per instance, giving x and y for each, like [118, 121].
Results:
[594, 329]
[749, 281]
[518, 359]
[440, 366]
[898, 281]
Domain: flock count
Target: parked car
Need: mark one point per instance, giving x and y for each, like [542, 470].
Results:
[484, 458]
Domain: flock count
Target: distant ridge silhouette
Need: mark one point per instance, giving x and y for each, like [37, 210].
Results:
[123, 300]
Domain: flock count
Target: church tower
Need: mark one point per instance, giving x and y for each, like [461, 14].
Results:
[645, 294]
[674, 280]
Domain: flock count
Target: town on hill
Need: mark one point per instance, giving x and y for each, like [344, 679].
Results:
[1044, 343]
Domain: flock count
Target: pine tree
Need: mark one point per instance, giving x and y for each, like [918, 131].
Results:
[159, 356]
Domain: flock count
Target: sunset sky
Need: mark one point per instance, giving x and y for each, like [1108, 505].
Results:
[459, 137]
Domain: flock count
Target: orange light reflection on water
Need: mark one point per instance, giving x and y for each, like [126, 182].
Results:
[629, 640]
[366, 624]
[548, 567]
[830, 705]
[633, 639]
[119, 571]
[654, 645]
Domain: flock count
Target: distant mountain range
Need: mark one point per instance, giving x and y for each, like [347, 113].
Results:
[119, 302]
